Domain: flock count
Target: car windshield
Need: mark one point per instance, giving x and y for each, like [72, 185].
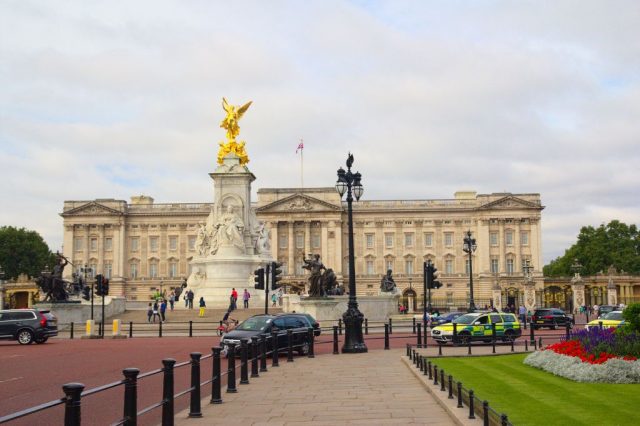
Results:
[466, 319]
[254, 324]
[617, 316]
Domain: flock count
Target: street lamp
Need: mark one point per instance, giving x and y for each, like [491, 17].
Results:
[469, 247]
[353, 341]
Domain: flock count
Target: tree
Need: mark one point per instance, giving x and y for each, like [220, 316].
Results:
[23, 252]
[615, 244]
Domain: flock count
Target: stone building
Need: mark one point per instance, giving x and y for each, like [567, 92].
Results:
[146, 247]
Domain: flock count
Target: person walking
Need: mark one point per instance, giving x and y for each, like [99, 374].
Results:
[149, 312]
[202, 306]
[185, 297]
[190, 297]
[172, 299]
[245, 298]
[232, 304]
[155, 311]
[234, 293]
[523, 313]
[274, 299]
[163, 310]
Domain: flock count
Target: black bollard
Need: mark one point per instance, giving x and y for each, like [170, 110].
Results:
[387, 328]
[216, 396]
[263, 353]
[532, 336]
[426, 366]
[190, 328]
[472, 414]
[160, 329]
[493, 337]
[419, 327]
[409, 350]
[194, 405]
[567, 330]
[442, 381]
[130, 396]
[485, 413]
[254, 356]
[421, 364]
[71, 331]
[439, 349]
[130, 329]
[435, 374]
[429, 367]
[469, 345]
[340, 326]
[513, 341]
[366, 326]
[540, 342]
[459, 395]
[167, 391]
[275, 350]
[231, 368]
[414, 325]
[450, 387]
[244, 361]
[311, 338]
[335, 340]
[289, 345]
[390, 325]
[73, 392]
[455, 340]
[526, 345]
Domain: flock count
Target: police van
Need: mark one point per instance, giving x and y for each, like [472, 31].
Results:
[479, 326]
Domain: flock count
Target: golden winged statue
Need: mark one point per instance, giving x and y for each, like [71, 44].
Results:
[230, 124]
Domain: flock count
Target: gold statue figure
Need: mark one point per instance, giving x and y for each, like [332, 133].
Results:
[230, 123]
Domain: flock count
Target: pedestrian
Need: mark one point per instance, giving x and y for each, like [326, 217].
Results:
[163, 310]
[155, 311]
[202, 306]
[149, 312]
[523, 313]
[245, 298]
[234, 293]
[186, 299]
[190, 297]
[232, 304]
[274, 299]
[172, 299]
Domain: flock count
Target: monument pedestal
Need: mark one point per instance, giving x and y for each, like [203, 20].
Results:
[374, 308]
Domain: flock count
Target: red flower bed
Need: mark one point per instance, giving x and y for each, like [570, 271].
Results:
[574, 348]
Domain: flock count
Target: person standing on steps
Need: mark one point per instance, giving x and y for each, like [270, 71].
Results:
[149, 312]
[163, 310]
[190, 297]
[202, 306]
[245, 298]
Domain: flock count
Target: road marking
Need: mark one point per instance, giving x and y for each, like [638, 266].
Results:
[11, 379]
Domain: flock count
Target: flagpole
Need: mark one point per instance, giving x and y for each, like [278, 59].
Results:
[301, 163]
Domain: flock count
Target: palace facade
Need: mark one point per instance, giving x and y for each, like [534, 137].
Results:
[144, 247]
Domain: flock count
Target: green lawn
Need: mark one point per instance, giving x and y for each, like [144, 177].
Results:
[534, 397]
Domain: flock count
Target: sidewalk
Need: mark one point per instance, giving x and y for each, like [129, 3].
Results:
[373, 388]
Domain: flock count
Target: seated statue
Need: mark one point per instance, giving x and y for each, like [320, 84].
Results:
[387, 284]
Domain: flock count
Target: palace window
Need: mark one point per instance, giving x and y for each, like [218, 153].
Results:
[494, 266]
[173, 243]
[466, 267]
[448, 239]
[153, 244]
[93, 268]
[153, 270]
[93, 244]
[370, 240]
[428, 239]
[509, 266]
[135, 243]
[388, 240]
[408, 240]
[370, 267]
[108, 244]
[389, 264]
[315, 240]
[173, 269]
[408, 266]
[300, 240]
[108, 268]
[493, 238]
[192, 242]
[448, 266]
[508, 238]
[283, 241]
[77, 243]
[133, 271]
[524, 238]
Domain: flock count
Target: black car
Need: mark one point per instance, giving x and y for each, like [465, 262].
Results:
[311, 320]
[443, 319]
[264, 325]
[550, 317]
[27, 325]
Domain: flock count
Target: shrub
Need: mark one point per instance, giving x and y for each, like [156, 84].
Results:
[631, 315]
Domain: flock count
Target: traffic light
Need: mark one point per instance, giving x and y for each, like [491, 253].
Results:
[99, 289]
[276, 271]
[431, 277]
[105, 286]
[259, 278]
[86, 292]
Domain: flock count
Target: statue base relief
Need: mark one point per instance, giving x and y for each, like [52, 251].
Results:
[374, 308]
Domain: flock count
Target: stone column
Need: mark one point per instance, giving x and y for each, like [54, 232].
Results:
[410, 302]
[496, 295]
[324, 244]
[291, 259]
[274, 239]
[307, 237]
[577, 285]
[101, 248]
[530, 294]
[122, 256]
[612, 294]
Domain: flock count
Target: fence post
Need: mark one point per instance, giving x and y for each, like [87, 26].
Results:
[390, 325]
[460, 395]
[289, 345]
[424, 329]
[450, 387]
[73, 392]
[71, 331]
[386, 335]
[442, 381]
[340, 326]
[366, 326]
[439, 348]
[216, 397]
[526, 345]
[485, 413]
[469, 346]
[513, 342]
[426, 363]
[413, 357]
[274, 348]
[130, 329]
[231, 368]
[419, 327]
[167, 391]
[567, 330]
[311, 338]
[408, 350]
[160, 329]
[435, 374]
[532, 336]
[493, 337]
[244, 361]
[455, 334]
[421, 363]
[503, 420]
[194, 410]
[130, 396]
[335, 340]
[414, 325]
[540, 342]
[263, 353]
[254, 357]
[429, 366]
[190, 328]
[472, 414]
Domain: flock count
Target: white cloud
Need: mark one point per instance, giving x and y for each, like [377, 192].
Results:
[120, 98]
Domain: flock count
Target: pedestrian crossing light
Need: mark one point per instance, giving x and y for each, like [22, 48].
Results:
[276, 272]
[105, 286]
[99, 282]
[258, 278]
[86, 292]
[432, 277]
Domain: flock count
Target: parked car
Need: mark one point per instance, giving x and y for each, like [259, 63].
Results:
[550, 317]
[27, 325]
[479, 326]
[605, 309]
[264, 325]
[611, 320]
[435, 321]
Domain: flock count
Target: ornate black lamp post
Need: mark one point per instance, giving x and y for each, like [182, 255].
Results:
[469, 247]
[353, 341]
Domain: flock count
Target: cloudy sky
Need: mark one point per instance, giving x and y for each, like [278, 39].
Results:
[108, 99]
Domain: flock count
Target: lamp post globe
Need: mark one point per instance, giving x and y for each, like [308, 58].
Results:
[349, 183]
[469, 246]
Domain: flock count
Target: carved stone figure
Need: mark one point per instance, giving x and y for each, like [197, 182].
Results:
[229, 229]
[387, 283]
[330, 282]
[52, 283]
[315, 266]
[263, 244]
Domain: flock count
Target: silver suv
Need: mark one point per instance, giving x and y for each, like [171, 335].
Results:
[27, 325]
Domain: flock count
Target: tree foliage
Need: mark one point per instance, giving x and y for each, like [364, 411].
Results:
[598, 248]
[23, 252]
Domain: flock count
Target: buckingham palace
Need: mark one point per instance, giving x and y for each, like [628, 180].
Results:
[144, 247]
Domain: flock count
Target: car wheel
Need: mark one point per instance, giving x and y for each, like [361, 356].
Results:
[41, 340]
[508, 336]
[304, 349]
[465, 338]
[25, 337]
[553, 325]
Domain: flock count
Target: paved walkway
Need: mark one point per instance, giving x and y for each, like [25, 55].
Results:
[375, 388]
